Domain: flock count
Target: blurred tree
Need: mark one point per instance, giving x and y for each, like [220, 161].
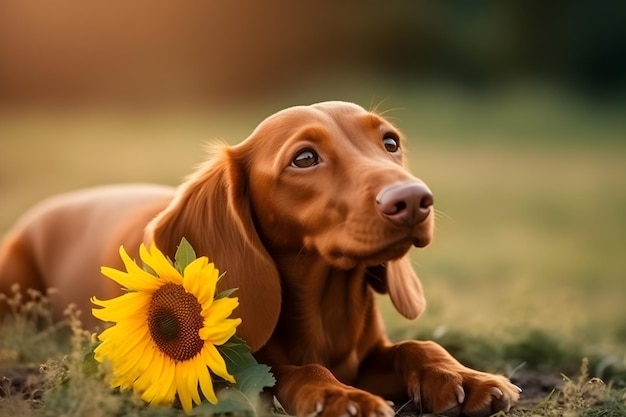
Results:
[154, 51]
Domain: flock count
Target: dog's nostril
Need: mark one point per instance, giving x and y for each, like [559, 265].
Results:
[405, 203]
[427, 201]
[400, 206]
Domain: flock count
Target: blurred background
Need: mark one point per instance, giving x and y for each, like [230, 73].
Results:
[514, 112]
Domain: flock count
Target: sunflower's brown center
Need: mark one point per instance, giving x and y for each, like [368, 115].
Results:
[174, 319]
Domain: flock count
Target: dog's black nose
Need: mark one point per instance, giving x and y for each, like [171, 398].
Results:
[406, 203]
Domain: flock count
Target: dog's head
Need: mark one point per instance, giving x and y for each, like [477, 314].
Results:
[330, 178]
[327, 179]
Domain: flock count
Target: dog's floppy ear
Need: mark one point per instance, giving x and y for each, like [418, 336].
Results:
[211, 210]
[404, 287]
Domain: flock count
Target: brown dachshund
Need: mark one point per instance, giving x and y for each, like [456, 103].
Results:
[309, 216]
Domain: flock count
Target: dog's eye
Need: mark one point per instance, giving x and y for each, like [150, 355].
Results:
[391, 143]
[305, 159]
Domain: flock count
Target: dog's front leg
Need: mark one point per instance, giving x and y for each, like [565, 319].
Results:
[435, 381]
[312, 390]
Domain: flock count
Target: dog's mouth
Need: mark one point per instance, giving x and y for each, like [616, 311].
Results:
[346, 253]
[346, 259]
[421, 241]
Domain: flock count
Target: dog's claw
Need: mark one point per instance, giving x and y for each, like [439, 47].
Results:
[460, 394]
[417, 395]
[496, 392]
[319, 407]
[278, 406]
[352, 409]
[455, 410]
[517, 388]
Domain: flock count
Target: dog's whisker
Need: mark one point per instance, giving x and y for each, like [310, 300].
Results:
[302, 249]
[374, 107]
[387, 116]
[444, 214]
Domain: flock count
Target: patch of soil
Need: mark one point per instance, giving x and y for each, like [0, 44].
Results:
[536, 386]
[25, 382]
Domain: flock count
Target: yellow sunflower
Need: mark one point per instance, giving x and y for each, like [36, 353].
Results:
[167, 327]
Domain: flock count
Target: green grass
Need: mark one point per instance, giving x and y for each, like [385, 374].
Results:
[532, 237]
[47, 370]
[526, 272]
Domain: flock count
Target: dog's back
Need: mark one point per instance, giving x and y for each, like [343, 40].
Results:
[54, 243]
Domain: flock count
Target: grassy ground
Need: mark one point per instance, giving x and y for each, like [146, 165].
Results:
[526, 275]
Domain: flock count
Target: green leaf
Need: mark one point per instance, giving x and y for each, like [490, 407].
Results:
[184, 255]
[236, 354]
[250, 377]
[90, 365]
[229, 401]
[149, 270]
[225, 293]
[243, 397]
[253, 379]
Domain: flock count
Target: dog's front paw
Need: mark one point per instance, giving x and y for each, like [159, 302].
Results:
[439, 384]
[340, 401]
[461, 392]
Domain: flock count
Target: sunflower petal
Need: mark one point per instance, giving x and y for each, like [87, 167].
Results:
[181, 388]
[206, 385]
[201, 279]
[131, 304]
[159, 391]
[111, 347]
[196, 267]
[116, 335]
[135, 278]
[146, 359]
[148, 382]
[169, 376]
[220, 333]
[192, 367]
[191, 278]
[212, 357]
[120, 381]
[219, 310]
[127, 367]
[155, 259]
